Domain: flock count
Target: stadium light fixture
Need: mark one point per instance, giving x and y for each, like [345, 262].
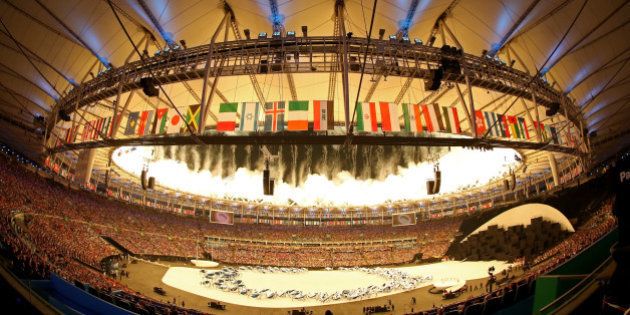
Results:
[276, 35]
[262, 35]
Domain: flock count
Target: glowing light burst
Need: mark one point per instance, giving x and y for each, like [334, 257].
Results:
[461, 168]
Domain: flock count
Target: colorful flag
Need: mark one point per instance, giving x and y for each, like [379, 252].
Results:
[480, 125]
[161, 121]
[146, 123]
[274, 116]
[541, 130]
[505, 126]
[389, 117]
[106, 127]
[175, 121]
[412, 116]
[523, 127]
[492, 123]
[298, 116]
[451, 118]
[515, 128]
[71, 134]
[132, 123]
[193, 117]
[249, 116]
[323, 116]
[432, 118]
[227, 117]
[366, 117]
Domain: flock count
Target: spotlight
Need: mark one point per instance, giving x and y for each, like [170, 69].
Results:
[405, 40]
[262, 35]
[392, 38]
[381, 33]
[276, 35]
[291, 34]
[417, 41]
[247, 34]
[304, 30]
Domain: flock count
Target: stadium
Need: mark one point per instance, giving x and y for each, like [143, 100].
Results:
[314, 157]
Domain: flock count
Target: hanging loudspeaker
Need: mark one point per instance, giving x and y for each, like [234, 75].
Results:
[506, 185]
[430, 187]
[143, 179]
[438, 180]
[513, 180]
[151, 184]
[148, 86]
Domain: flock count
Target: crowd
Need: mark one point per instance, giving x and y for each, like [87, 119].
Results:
[46, 228]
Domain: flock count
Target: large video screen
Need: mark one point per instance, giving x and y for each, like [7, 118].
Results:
[221, 217]
[403, 219]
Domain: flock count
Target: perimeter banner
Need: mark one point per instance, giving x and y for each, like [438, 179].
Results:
[221, 217]
[403, 219]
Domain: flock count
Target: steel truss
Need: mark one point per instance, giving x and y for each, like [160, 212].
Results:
[289, 138]
[314, 55]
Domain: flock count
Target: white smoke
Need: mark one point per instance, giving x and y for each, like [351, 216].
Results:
[460, 168]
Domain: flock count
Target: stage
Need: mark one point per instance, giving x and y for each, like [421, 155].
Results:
[321, 281]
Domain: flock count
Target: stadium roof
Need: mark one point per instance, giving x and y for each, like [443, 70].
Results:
[47, 46]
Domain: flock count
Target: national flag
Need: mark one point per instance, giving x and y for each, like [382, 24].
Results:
[298, 116]
[366, 117]
[249, 116]
[175, 122]
[323, 115]
[480, 125]
[274, 116]
[227, 116]
[70, 134]
[514, 130]
[505, 127]
[523, 127]
[389, 117]
[106, 127]
[132, 123]
[432, 118]
[146, 123]
[541, 130]
[161, 121]
[492, 123]
[193, 117]
[412, 117]
[97, 124]
[451, 118]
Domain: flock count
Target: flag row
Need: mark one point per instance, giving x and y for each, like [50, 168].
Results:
[294, 116]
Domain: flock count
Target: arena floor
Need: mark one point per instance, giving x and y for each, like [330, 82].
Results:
[182, 283]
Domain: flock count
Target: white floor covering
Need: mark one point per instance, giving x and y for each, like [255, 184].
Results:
[189, 279]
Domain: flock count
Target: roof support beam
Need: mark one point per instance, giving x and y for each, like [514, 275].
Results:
[40, 60]
[589, 33]
[436, 26]
[277, 21]
[498, 46]
[167, 38]
[29, 59]
[237, 34]
[75, 35]
[339, 11]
